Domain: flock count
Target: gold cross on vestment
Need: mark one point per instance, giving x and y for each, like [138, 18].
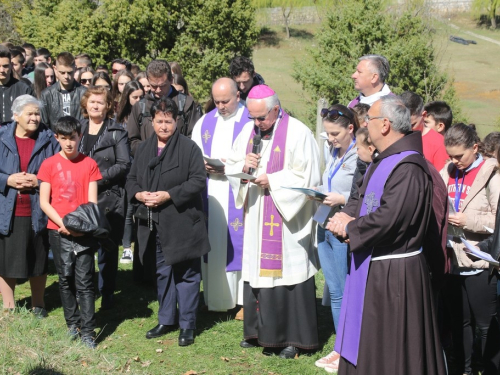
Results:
[272, 224]
[206, 136]
[236, 224]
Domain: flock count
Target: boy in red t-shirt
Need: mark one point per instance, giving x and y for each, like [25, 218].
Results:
[69, 179]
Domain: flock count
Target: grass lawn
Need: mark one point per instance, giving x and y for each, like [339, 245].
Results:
[32, 346]
[474, 68]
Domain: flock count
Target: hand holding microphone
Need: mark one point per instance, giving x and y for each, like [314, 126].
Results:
[252, 159]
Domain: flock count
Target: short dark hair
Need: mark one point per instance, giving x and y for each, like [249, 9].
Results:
[67, 125]
[102, 67]
[43, 52]
[491, 144]
[16, 52]
[462, 135]
[29, 46]
[441, 112]
[241, 64]
[128, 64]
[5, 52]
[158, 68]
[413, 102]
[85, 58]
[135, 69]
[66, 59]
[164, 105]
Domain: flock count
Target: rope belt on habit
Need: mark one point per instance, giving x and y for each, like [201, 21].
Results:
[396, 256]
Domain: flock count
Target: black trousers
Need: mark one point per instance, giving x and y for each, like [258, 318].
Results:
[107, 255]
[178, 285]
[80, 314]
[472, 301]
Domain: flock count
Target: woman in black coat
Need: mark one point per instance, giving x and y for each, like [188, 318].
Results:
[106, 142]
[167, 178]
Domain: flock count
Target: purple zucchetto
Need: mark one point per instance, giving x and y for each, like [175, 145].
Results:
[260, 92]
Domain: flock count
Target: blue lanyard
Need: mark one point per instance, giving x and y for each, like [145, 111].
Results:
[458, 192]
[334, 171]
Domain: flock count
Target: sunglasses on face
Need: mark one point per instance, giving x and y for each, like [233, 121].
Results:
[84, 81]
[333, 114]
[260, 118]
[114, 71]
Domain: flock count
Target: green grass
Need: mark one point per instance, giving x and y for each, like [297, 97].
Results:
[32, 346]
[273, 58]
[474, 68]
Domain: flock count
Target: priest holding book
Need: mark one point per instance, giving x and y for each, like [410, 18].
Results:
[215, 133]
[279, 256]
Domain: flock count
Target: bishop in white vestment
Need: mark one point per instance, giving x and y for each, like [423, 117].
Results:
[279, 255]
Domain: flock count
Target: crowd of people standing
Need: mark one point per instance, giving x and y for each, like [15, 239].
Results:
[235, 198]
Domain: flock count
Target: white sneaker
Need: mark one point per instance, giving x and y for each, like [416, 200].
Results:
[331, 358]
[127, 256]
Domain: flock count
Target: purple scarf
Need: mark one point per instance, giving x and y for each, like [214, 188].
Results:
[271, 258]
[351, 312]
[235, 227]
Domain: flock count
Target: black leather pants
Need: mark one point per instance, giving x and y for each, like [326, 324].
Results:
[80, 314]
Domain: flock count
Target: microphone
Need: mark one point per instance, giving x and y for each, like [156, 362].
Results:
[255, 149]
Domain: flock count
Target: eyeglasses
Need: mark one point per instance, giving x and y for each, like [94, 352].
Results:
[154, 87]
[369, 118]
[84, 81]
[105, 86]
[260, 118]
[334, 114]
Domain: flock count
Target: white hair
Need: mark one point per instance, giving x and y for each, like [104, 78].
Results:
[394, 109]
[22, 101]
[271, 101]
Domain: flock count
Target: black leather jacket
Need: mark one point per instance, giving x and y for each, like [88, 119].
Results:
[112, 155]
[52, 109]
[8, 93]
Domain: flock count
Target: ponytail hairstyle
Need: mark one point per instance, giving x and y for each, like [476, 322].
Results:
[463, 135]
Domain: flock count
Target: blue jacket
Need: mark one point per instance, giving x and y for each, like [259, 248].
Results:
[46, 146]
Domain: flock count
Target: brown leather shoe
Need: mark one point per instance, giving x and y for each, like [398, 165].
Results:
[239, 315]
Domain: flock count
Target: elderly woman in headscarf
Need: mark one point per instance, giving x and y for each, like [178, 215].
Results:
[24, 144]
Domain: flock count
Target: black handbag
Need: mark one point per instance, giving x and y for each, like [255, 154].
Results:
[142, 212]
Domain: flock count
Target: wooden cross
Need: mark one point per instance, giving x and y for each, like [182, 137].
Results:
[371, 202]
[272, 224]
[236, 224]
[206, 136]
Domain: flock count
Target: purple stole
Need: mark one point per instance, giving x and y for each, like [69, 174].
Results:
[271, 257]
[235, 228]
[354, 101]
[351, 312]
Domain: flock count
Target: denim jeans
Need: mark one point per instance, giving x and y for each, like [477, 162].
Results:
[333, 258]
